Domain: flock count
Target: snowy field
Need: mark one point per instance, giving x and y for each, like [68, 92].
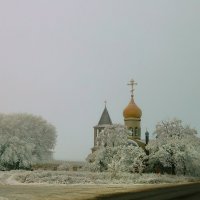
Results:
[35, 185]
[84, 177]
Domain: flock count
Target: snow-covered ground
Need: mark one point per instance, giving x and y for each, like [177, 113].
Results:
[56, 185]
[84, 177]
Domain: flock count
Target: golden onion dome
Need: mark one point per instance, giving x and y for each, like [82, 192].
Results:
[132, 110]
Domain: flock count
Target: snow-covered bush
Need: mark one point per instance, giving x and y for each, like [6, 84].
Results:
[70, 177]
[175, 150]
[103, 157]
[25, 138]
[59, 165]
[64, 167]
[114, 154]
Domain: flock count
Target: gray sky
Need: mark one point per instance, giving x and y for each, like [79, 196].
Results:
[61, 59]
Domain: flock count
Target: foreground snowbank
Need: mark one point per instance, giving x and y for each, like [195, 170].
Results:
[64, 177]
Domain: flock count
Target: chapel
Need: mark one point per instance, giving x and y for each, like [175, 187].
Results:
[132, 120]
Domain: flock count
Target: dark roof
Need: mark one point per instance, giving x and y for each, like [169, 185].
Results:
[105, 118]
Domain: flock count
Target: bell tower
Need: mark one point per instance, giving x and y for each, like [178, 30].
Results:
[132, 114]
[104, 121]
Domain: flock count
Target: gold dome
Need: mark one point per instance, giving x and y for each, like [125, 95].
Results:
[132, 110]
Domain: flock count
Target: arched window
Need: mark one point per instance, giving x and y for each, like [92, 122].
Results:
[136, 131]
[132, 133]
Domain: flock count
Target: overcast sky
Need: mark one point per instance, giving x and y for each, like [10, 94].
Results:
[62, 58]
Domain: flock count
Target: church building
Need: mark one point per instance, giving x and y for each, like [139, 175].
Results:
[103, 122]
[132, 120]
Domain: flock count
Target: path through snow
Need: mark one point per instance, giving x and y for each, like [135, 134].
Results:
[7, 178]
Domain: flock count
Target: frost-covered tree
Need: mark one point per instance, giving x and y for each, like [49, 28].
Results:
[176, 148]
[113, 135]
[34, 138]
[174, 127]
[15, 153]
[128, 158]
[115, 154]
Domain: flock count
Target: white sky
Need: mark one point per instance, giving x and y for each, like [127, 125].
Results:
[61, 59]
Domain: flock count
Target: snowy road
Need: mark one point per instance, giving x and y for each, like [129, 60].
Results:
[181, 192]
[82, 192]
[58, 192]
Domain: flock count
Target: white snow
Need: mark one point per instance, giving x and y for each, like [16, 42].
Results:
[61, 177]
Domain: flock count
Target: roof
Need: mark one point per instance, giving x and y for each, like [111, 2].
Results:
[132, 110]
[105, 118]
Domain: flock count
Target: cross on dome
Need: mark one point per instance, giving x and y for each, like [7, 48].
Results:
[132, 83]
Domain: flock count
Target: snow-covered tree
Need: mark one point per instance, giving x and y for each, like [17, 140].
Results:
[175, 149]
[36, 135]
[128, 158]
[115, 153]
[15, 153]
[113, 135]
[174, 127]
